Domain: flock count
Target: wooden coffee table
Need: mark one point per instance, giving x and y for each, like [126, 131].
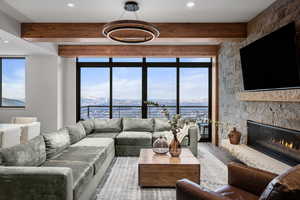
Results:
[163, 170]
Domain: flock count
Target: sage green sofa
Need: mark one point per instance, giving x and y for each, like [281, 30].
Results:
[131, 134]
[68, 164]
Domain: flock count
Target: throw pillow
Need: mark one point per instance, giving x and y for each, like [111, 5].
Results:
[88, 125]
[56, 142]
[135, 124]
[108, 125]
[161, 124]
[76, 132]
[33, 153]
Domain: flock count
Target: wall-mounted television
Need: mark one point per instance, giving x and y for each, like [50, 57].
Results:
[272, 62]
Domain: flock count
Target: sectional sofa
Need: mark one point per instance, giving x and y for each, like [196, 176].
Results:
[68, 164]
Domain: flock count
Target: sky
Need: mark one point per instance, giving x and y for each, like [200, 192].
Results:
[13, 76]
[127, 82]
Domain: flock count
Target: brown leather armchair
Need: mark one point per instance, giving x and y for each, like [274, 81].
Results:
[246, 183]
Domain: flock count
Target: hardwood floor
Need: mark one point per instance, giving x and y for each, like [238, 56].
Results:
[220, 153]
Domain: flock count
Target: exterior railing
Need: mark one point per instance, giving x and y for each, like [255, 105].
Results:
[96, 111]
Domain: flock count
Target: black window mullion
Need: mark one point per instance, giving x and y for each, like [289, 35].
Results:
[145, 66]
[78, 90]
[144, 88]
[177, 86]
[0, 81]
[110, 88]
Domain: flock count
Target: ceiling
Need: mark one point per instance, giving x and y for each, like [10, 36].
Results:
[150, 10]
[19, 47]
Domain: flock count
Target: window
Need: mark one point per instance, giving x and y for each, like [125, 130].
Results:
[12, 79]
[194, 92]
[117, 87]
[127, 92]
[162, 89]
[94, 99]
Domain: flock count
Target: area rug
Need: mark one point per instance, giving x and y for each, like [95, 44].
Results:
[121, 180]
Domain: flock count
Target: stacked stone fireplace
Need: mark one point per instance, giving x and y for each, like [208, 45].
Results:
[279, 143]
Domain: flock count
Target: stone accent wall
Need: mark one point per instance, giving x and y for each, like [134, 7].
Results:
[236, 112]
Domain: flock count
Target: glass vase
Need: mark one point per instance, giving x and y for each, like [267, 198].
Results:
[160, 146]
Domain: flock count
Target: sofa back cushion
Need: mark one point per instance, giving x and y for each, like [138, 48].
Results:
[135, 124]
[285, 186]
[56, 142]
[33, 153]
[88, 125]
[108, 125]
[161, 124]
[76, 132]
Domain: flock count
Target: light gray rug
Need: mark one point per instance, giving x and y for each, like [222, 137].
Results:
[121, 182]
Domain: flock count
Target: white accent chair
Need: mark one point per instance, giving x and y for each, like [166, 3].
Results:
[9, 136]
[29, 131]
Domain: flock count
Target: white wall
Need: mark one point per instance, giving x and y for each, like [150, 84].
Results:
[43, 93]
[9, 24]
[69, 82]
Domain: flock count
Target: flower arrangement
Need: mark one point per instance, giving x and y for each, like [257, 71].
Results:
[173, 121]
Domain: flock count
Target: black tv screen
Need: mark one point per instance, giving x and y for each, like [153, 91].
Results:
[272, 61]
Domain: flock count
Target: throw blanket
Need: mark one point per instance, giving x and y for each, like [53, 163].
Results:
[180, 136]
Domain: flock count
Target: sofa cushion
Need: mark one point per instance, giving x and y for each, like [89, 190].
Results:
[88, 125]
[134, 138]
[108, 143]
[76, 132]
[135, 124]
[93, 155]
[285, 186]
[103, 135]
[161, 124]
[82, 172]
[108, 125]
[33, 153]
[56, 142]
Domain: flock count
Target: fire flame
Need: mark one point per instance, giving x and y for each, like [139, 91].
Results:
[287, 144]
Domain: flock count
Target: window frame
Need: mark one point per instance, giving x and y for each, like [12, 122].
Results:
[145, 65]
[1, 80]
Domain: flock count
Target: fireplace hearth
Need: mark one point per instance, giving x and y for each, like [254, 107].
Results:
[279, 143]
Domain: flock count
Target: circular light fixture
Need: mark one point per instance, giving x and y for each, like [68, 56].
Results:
[130, 31]
[190, 4]
[71, 5]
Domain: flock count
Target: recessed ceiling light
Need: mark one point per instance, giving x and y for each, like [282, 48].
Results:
[190, 4]
[71, 5]
[5, 41]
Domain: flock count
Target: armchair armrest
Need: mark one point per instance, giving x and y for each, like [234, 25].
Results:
[187, 190]
[193, 137]
[249, 179]
[36, 183]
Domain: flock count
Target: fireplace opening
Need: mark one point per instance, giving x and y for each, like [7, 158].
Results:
[280, 143]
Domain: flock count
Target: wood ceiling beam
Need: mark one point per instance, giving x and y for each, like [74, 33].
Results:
[138, 50]
[80, 32]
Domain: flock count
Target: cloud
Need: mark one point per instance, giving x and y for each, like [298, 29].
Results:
[13, 90]
[193, 86]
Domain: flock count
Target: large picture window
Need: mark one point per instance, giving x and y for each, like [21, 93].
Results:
[127, 92]
[12, 80]
[118, 87]
[94, 89]
[162, 89]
